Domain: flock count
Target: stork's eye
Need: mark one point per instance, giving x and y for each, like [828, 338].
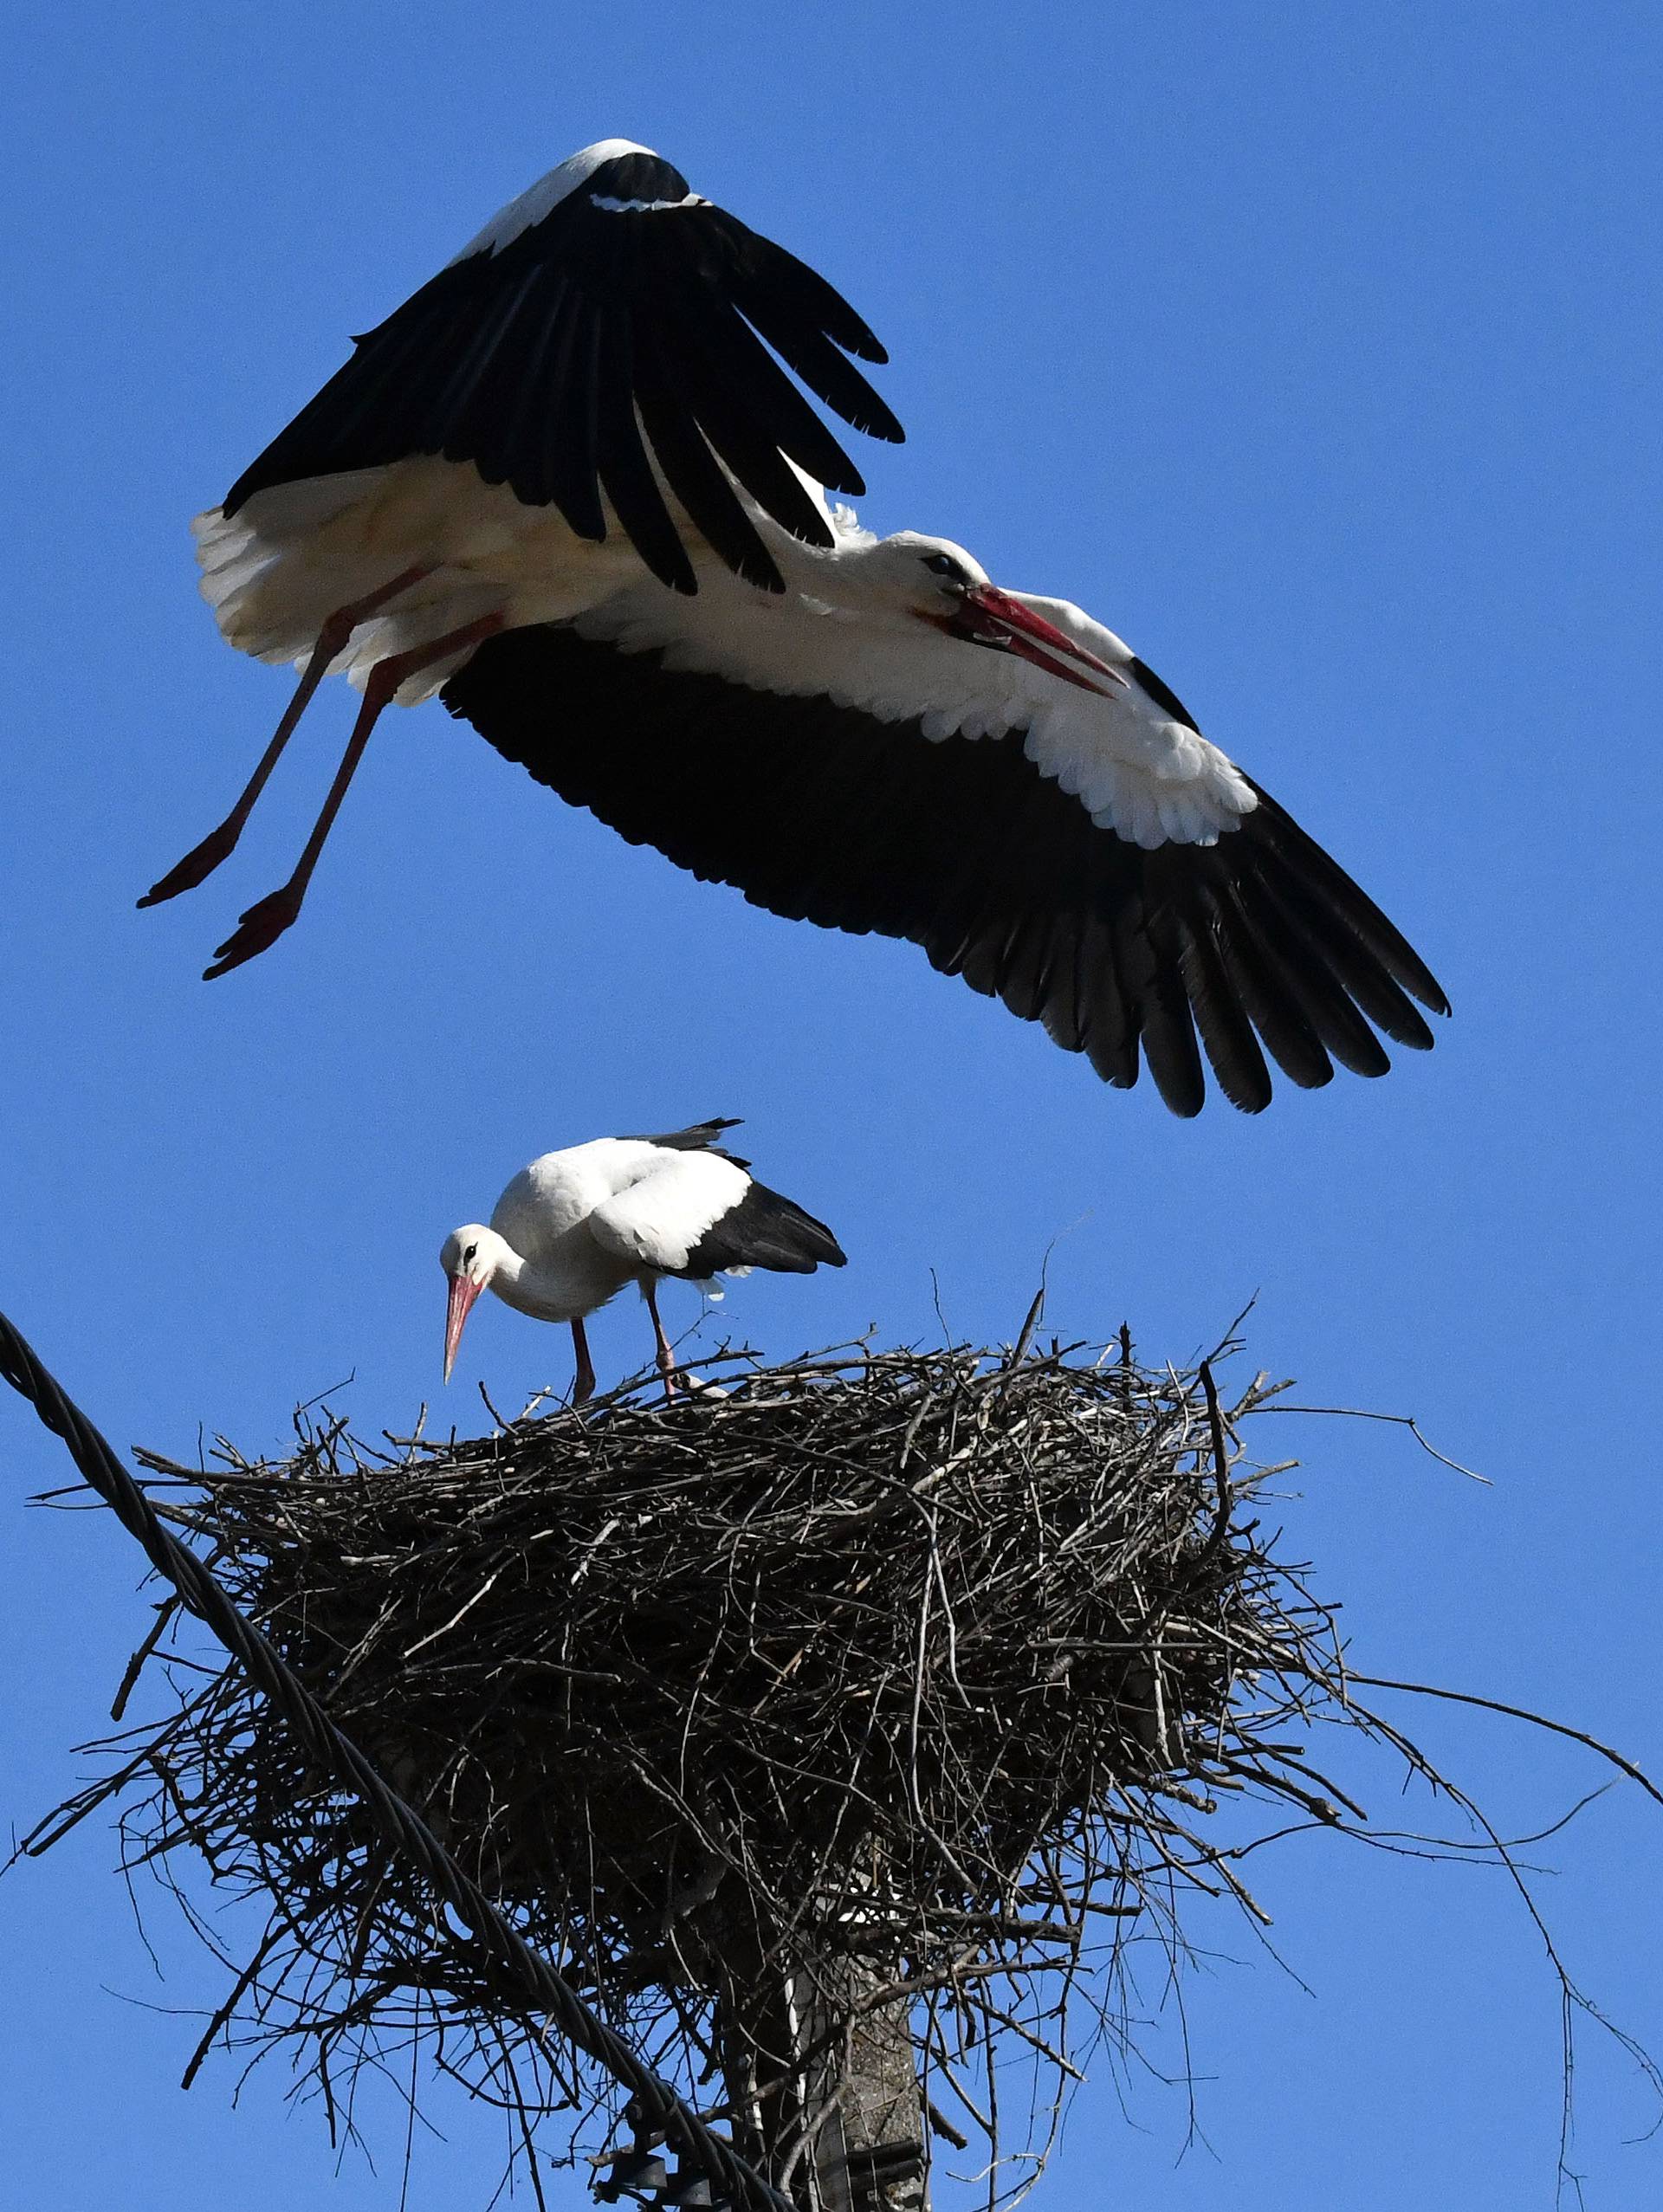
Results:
[940, 564]
[468, 1256]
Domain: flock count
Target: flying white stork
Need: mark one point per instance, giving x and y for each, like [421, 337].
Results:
[865, 732]
[575, 1226]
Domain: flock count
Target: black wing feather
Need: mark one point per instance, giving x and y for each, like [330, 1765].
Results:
[763, 271]
[689, 463]
[1221, 1016]
[764, 1230]
[710, 397]
[531, 362]
[1147, 959]
[805, 350]
[699, 1137]
[521, 378]
[569, 457]
[1272, 1009]
[1301, 965]
[1259, 944]
[1277, 832]
[625, 472]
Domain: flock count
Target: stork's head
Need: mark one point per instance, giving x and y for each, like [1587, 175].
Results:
[470, 1255]
[941, 584]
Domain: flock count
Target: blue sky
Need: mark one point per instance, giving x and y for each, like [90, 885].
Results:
[1314, 349]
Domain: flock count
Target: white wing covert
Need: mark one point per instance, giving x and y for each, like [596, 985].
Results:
[659, 1218]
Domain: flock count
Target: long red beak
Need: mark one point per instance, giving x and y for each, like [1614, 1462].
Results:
[463, 1291]
[991, 617]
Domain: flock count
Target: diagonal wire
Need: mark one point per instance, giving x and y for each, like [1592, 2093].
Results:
[517, 1970]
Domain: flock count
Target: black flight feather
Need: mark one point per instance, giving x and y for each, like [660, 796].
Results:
[700, 1137]
[764, 1230]
[532, 361]
[1256, 945]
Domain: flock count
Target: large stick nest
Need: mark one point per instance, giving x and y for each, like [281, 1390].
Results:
[908, 1678]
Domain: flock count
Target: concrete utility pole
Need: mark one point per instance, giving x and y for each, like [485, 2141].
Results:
[800, 2055]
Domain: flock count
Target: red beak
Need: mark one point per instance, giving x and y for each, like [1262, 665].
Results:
[991, 617]
[463, 1291]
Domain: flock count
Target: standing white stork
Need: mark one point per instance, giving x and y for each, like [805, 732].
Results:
[575, 1226]
[862, 732]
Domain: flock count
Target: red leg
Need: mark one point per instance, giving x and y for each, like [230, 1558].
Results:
[583, 1386]
[266, 921]
[666, 1357]
[202, 860]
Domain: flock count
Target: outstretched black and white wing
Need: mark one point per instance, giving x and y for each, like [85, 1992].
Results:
[1091, 861]
[607, 321]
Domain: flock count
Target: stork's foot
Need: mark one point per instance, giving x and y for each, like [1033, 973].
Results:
[196, 866]
[260, 928]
